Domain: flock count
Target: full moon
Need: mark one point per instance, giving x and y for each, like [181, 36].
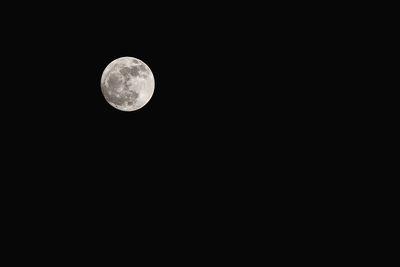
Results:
[127, 83]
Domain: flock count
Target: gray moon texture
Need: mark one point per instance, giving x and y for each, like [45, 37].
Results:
[127, 83]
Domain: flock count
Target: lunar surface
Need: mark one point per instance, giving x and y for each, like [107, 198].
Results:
[127, 84]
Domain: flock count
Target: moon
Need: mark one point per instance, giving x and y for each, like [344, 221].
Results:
[127, 83]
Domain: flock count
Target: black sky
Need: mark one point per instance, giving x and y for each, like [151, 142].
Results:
[221, 85]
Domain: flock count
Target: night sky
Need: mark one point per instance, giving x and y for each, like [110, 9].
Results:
[225, 89]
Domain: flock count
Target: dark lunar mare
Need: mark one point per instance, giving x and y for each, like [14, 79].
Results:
[114, 81]
[134, 71]
[112, 98]
[109, 91]
[124, 71]
[133, 96]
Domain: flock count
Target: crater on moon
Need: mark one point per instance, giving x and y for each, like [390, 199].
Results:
[127, 83]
